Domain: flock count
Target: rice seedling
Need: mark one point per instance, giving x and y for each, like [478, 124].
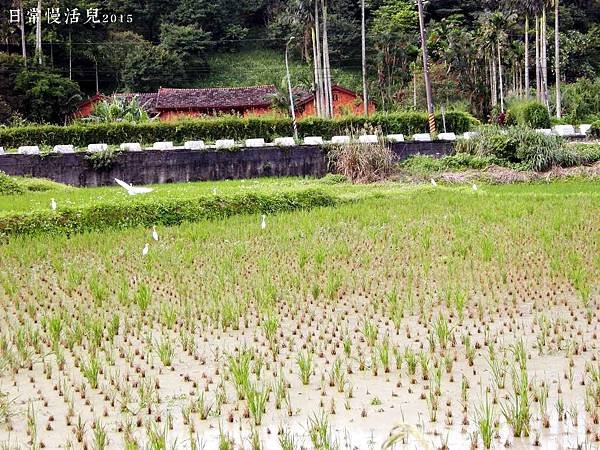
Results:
[485, 417]
[100, 436]
[165, 351]
[319, 432]
[257, 398]
[90, 371]
[305, 364]
[239, 368]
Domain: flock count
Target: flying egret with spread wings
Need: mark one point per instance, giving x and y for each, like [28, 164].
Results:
[133, 190]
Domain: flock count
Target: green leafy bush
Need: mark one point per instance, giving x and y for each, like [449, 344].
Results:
[580, 100]
[458, 161]
[231, 127]
[145, 212]
[595, 131]
[528, 113]
[9, 186]
[333, 178]
[585, 153]
[523, 145]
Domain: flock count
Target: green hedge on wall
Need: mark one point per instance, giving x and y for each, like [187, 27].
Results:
[232, 127]
[165, 212]
[595, 131]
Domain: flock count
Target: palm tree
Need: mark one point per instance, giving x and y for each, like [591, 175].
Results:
[556, 57]
[494, 31]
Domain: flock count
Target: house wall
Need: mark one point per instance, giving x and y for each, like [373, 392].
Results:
[343, 103]
[86, 109]
[168, 115]
[170, 166]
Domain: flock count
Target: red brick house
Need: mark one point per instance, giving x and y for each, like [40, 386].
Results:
[345, 102]
[171, 103]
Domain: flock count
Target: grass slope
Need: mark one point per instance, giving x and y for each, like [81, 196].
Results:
[258, 67]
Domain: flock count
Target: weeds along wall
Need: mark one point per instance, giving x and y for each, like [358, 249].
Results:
[233, 127]
[172, 166]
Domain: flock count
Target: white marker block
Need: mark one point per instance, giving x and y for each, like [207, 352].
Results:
[564, 130]
[165, 145]
[255, 142]
[585, 128]
[97, 147]
[131, 147]
[368, 139]
[285, 141]
[313, 140]
[194, 145]
[422, 137]
[395, 137]
[225, 143]
[29, 150]
[340, 140]
[447, 137]
[64, 148]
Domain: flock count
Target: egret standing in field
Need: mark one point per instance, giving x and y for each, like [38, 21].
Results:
[53, 204]
[433, 183]
[263, 223]
[474, 186]
[214, 191]
[146, 249]
[131, 190]
[154, 234]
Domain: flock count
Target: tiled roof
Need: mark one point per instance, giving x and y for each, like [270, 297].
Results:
[215, 98]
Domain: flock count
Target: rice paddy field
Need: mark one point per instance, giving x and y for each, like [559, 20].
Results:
[405, 317]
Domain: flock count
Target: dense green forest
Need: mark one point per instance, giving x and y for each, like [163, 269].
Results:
[477, 50]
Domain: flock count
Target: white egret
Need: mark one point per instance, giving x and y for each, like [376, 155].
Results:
[146, 249]
[263, 223]
[53, 204]
[433, 183]
[154, 234]
[474, 186]
[131, 190]
[214, 191]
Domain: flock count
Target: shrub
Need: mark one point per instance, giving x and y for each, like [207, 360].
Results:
[595, 131]
[231, 127]
[154, 212]
[585, 153]
[40, 184]
[580, 100]
[9, 186]
[458, 161]
[523, 145]
[362, 163]
[333, 178]
[528, 113]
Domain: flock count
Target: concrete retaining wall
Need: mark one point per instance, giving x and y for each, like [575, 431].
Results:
[170, 166]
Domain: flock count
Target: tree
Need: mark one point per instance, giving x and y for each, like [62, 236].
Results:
[557, 57]
[151, 67]
[394, 34]
[186, 40]
[10, 68]
[47, 96]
